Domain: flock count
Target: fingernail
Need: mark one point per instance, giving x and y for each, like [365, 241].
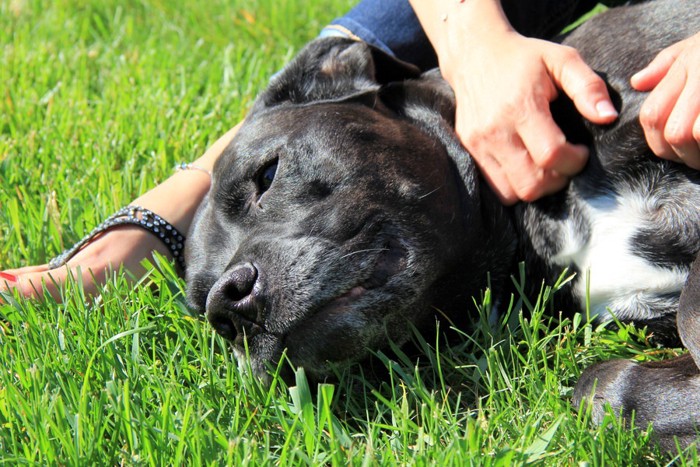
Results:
[8, 277]
[605, 109]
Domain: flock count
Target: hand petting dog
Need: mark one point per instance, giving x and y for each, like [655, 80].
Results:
[670, 115]
[504, 83]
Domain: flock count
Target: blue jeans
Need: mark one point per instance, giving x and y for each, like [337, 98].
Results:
[392, 26]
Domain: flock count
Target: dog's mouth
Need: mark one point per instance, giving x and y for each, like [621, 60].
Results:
[329, 323]
[390, 262]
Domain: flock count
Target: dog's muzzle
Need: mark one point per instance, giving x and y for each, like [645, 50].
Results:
[236, 302]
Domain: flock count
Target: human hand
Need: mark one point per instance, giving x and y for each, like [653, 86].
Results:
[670, 115]
[503, 87]
[120, 247]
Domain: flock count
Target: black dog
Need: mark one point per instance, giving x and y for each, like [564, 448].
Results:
[345, 212]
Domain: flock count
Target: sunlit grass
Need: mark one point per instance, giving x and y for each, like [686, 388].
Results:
[99, 100]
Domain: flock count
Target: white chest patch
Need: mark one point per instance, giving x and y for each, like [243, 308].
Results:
[620, 281]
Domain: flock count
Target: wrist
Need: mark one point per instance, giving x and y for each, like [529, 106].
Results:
[177, 198]
[462, 33]
[465, 23]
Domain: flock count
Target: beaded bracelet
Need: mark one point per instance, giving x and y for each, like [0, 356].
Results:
[132, 215]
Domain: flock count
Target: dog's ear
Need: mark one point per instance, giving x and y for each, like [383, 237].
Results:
[334, 69]
[422, 99]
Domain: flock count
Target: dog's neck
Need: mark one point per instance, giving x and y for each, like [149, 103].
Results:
[491, 240]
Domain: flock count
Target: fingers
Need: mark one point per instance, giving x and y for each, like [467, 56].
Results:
[522, 181]
[6, 276]
[35, 281]
[547, 145]
[537, 160]
[530, 181]
[527, 160]
[585, 88]
[32, 281]
[647, 78]
[655, 112]
[682, 130]
[670, 116]
[512, 173]
[27, 269]
[121, 247]
[497, 179]
[521, 151]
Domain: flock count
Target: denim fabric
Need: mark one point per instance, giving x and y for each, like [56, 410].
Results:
[392, 26]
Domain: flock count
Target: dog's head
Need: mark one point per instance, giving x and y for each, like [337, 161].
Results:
[339, 213]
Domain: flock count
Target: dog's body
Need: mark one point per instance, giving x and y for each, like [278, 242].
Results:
[345, 212]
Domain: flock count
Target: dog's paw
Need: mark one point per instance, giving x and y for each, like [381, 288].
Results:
[604, 385]
[665, 395]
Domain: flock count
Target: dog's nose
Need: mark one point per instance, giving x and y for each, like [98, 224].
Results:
[234, 303]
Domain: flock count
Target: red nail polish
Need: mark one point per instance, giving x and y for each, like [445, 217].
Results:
[8, 277]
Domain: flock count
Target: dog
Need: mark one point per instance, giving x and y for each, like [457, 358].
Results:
[345, 213]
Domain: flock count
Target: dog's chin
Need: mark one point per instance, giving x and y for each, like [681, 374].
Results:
[259, 355]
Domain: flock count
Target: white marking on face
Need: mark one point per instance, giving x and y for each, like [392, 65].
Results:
[619, 279]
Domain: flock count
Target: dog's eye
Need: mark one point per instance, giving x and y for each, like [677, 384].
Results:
[267, 175]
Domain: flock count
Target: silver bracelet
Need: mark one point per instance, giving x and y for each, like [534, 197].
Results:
[187, 166]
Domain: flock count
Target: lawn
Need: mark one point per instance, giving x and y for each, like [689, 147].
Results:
[99, 100]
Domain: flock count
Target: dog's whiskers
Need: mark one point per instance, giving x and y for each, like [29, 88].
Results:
[363, 251]
[430, 192]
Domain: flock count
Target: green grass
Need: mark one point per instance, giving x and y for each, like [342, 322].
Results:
[98, 101]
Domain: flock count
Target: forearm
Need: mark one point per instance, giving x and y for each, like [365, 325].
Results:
[541, 19]
[447, 21]
[177, 198]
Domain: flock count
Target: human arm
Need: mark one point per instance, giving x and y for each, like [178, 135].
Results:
[503, 84]
[176, 200]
